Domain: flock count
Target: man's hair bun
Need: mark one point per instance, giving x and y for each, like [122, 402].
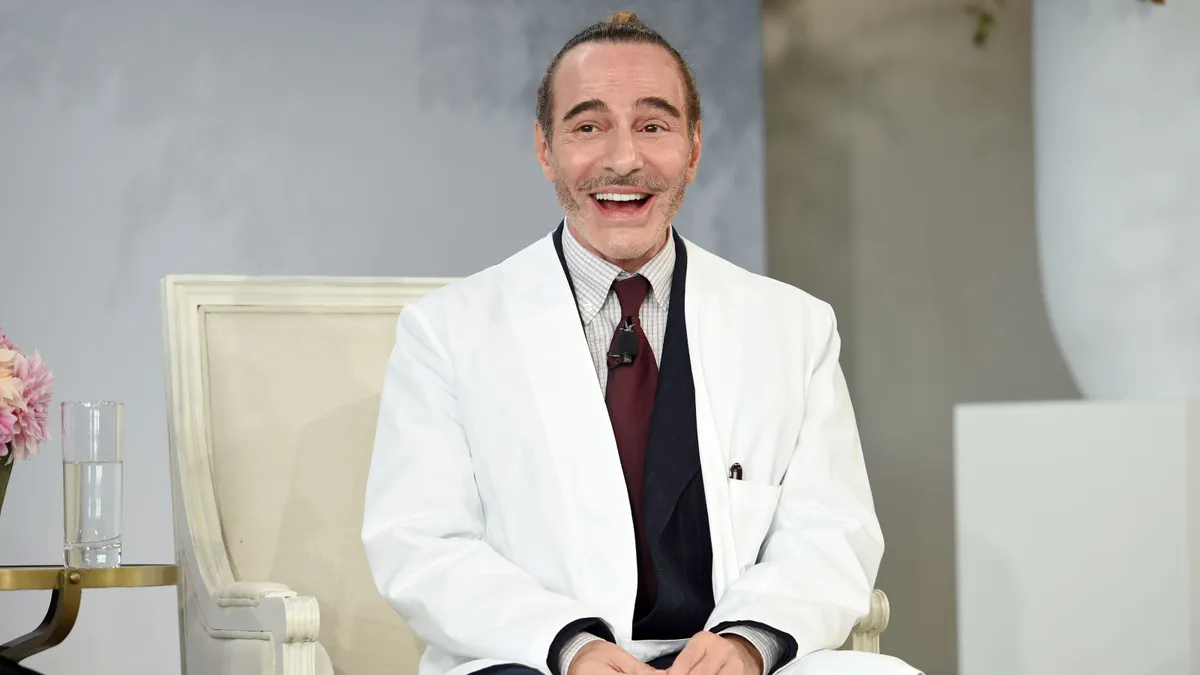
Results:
[623, 17]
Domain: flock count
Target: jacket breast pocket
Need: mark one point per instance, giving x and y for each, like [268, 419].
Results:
[752, 508]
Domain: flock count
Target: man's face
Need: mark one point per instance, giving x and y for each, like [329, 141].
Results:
[619, 154]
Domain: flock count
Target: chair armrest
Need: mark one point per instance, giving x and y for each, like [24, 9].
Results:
[865, 637]
[255, 627]
[250, 593]
[245, 609]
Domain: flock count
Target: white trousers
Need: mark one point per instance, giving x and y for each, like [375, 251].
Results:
[831, 662]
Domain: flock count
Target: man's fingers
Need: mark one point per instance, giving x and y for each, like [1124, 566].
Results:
[712, 663]
[647, 669]
[625, 662]
[688, 658]
[729, 668]
[606, 658]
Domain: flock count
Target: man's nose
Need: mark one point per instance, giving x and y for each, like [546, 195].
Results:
[623, 155]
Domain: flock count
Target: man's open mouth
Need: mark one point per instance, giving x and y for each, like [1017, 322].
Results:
[622, 203]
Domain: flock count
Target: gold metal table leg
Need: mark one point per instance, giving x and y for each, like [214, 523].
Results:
[60, 619]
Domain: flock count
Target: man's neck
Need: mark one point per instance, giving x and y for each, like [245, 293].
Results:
[635, 264]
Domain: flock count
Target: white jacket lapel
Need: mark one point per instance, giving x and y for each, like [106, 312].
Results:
[714, 338]
[563, 387]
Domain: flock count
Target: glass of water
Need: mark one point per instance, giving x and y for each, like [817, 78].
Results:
[93, 440]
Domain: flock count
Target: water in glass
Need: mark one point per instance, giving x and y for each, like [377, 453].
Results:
[92, 496]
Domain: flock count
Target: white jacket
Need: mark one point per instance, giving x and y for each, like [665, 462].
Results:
[496, 509]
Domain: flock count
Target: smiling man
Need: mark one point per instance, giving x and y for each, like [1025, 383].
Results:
[626, 143]
[615, 452]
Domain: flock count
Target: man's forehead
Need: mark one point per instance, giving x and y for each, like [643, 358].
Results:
[621, 70]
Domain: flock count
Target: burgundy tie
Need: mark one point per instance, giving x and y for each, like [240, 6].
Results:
[630, 398]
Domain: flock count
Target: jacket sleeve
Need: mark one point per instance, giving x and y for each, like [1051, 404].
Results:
[423, 524]
[817, 567]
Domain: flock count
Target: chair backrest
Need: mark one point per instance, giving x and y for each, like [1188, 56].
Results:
[277, 384]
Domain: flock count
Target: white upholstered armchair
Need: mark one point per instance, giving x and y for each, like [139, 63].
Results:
[273, 387]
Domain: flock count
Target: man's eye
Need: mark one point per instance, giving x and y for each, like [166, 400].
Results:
[587, 128]
[653, 128]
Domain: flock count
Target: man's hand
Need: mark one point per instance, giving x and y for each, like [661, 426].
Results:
[602, 657]
[711, 654]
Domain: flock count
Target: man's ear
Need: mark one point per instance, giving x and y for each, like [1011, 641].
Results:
[694, 158]
[542, 148]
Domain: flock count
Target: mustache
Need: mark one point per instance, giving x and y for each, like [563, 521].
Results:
[640, 182]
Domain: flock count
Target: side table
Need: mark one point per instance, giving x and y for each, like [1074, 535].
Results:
[67, 585]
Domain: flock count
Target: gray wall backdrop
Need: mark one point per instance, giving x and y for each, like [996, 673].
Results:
[140, 138]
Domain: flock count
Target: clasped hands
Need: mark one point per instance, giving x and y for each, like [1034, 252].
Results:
[705, 654]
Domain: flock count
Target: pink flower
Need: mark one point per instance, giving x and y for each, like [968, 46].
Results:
[24, 401]
[30, 430]
[11, 388]
[23, 447]
[7, 421]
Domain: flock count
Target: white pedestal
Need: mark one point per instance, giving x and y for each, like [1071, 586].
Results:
[1077, 526]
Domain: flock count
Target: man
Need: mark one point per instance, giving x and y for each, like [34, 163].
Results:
[615, 452]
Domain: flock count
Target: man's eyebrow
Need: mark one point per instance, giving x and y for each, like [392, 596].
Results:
[596, 105]
[660, 103]
[591, 105]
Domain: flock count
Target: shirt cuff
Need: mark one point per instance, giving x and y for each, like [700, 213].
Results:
[572, 647]
[769, 646]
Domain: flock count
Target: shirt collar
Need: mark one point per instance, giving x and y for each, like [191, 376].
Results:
[593, 276]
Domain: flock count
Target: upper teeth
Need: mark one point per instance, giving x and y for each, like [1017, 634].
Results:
[620, 197]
